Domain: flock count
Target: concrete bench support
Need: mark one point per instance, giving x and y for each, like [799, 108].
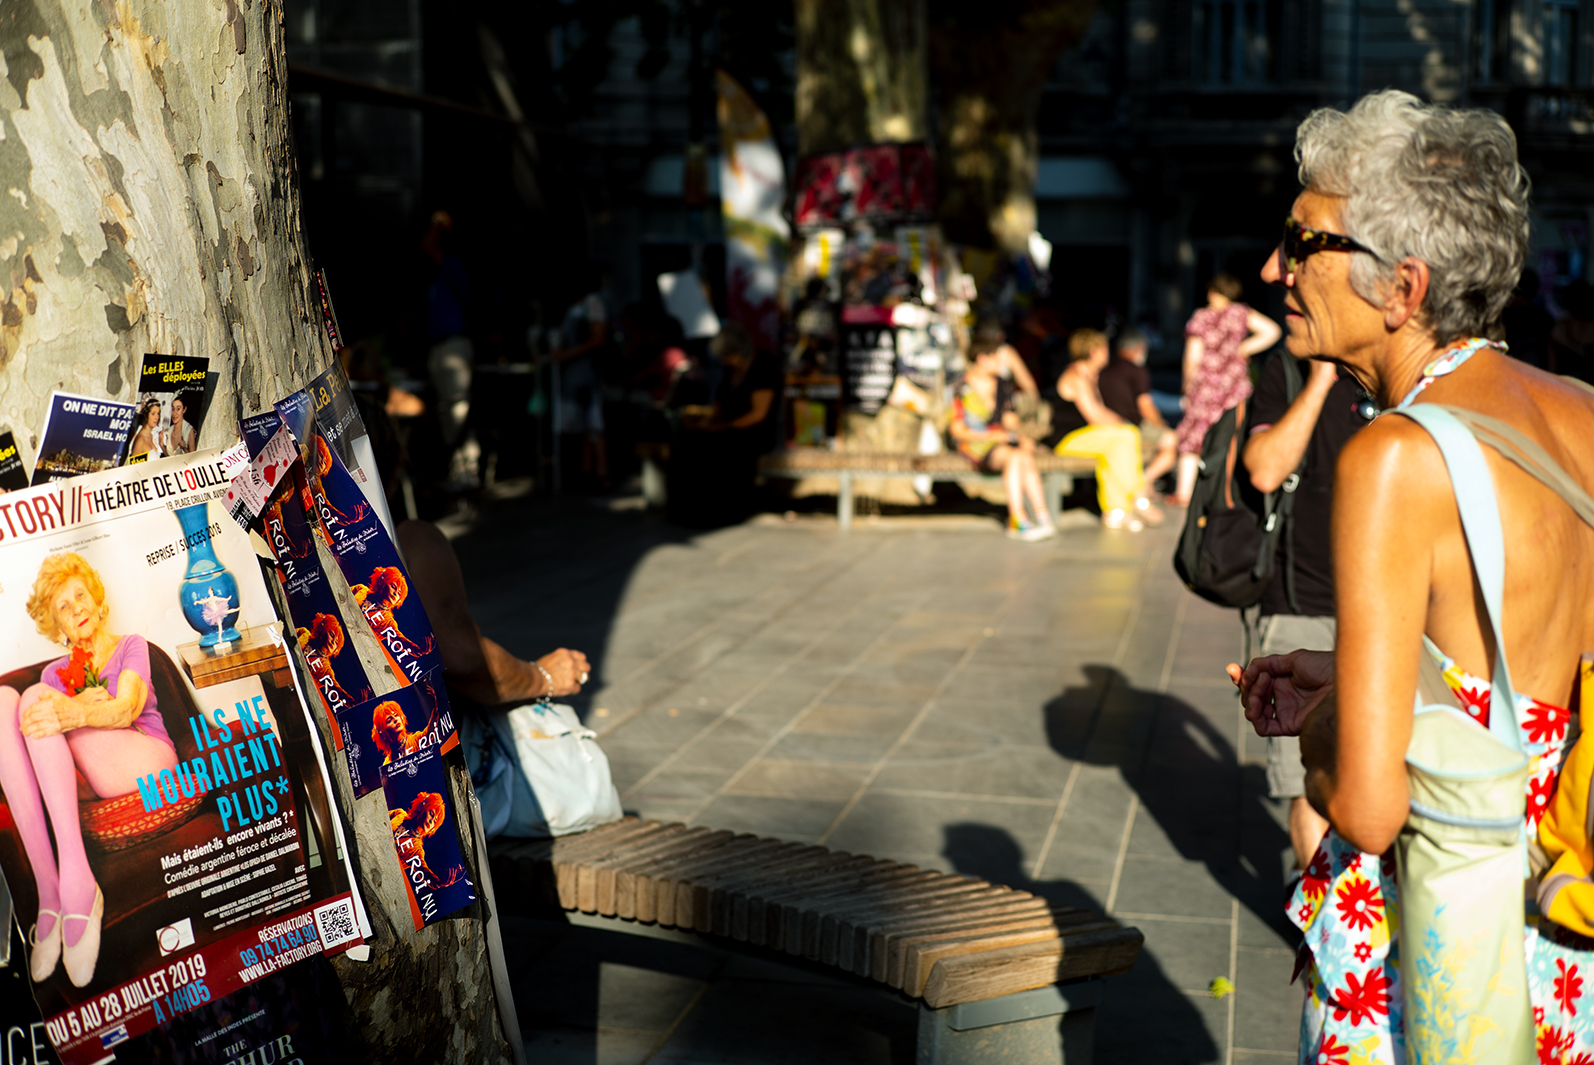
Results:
[1045, 1026]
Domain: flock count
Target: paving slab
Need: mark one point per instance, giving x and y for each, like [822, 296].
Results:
[1052, 716]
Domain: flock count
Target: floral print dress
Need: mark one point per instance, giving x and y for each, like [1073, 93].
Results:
[1348, 906]
[1223, 377]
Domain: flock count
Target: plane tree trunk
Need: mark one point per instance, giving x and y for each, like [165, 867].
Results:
[989, 60]
[861, 73]
[149, 203]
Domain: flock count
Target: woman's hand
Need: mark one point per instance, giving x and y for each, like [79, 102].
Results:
[50, 715]
[569, 670]
[1279, 691]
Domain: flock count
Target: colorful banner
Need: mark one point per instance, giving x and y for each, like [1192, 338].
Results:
[207, 830]
[877, 183]
[752, 196]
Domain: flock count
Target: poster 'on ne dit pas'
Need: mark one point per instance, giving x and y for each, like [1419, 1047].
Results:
[140, 654]
[82, 434]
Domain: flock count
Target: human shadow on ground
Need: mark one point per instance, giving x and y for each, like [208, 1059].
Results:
[1183, 768]
[1144, 1016]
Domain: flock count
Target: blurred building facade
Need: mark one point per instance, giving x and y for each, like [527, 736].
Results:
[1167, 133]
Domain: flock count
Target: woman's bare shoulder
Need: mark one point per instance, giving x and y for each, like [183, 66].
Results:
[1394, 453]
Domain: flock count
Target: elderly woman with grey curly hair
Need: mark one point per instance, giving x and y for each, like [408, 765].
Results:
[1450, 560]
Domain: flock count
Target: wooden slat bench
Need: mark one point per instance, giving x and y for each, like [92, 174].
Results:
[992, 967]
[1057, 471]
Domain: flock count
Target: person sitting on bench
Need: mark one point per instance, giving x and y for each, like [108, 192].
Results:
[988, 436]
[1083, 425]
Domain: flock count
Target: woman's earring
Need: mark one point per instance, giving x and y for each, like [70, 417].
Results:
[104, 611]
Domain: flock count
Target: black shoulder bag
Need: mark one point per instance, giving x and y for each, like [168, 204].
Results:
[1227, 551]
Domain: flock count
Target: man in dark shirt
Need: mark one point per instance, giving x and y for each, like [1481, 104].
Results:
[1125, 386]
[1297, 609]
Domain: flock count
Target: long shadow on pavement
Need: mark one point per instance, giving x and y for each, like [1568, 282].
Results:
[1143, 1017]
[1208, 807]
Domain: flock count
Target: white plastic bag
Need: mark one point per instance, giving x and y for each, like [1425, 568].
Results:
[538, 772]
[567, 770]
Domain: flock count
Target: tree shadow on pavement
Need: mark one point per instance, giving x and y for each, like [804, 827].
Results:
[1144, 1017]
[544, 574]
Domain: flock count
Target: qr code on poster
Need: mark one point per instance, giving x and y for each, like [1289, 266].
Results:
[336, 924]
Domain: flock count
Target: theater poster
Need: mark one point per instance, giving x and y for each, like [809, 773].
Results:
[166, 825]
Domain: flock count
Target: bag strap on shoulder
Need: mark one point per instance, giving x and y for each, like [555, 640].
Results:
[1480, 521]
[1279, 504]
[1522, 450]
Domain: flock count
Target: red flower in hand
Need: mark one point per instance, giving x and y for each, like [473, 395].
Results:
[78, 673]
[1362, 1001]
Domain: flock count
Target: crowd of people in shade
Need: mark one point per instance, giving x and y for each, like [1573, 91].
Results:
[628, 382]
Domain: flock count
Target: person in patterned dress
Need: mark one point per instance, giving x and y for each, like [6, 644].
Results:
[1397, 262]
[1220, 339]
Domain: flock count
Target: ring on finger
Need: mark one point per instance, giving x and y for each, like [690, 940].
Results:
[583, 678]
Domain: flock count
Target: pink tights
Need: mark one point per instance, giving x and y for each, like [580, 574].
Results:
[40, 778]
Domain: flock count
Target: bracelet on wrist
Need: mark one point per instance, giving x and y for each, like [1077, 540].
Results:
[547, 678]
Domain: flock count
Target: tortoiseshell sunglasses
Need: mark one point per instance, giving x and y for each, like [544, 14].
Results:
[1300, 241]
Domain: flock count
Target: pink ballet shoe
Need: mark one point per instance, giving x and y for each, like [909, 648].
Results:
[81, 959]
[43, 955]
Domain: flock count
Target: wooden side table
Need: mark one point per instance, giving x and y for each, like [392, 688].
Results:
[256, 654]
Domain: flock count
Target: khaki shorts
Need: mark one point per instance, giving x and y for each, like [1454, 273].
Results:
[1277, 635]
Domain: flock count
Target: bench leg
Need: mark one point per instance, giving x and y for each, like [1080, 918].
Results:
[1047, 1026]
[844, 501]
[1054, 486]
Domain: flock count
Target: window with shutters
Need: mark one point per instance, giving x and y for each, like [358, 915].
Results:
[1233, 42]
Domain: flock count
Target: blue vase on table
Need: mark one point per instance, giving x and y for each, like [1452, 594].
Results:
[208, 592]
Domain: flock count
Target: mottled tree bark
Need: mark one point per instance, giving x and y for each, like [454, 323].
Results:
[989, 60]
[861, 73]
[149, 204]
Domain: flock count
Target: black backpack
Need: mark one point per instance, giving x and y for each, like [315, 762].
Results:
[1228, 549]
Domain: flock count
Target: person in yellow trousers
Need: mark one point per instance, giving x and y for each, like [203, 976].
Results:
[1088, 428]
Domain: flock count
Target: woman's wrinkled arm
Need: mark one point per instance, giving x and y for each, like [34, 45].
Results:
[56, 712]
[1391, 496]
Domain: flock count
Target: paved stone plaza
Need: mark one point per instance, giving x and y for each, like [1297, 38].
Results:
[1054, 717]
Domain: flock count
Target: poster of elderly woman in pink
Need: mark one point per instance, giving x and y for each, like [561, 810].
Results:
[166, 826]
